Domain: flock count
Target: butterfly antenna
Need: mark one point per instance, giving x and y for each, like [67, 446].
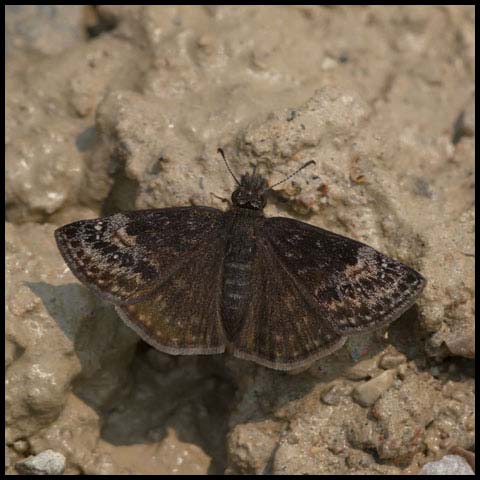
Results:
[305, 165]
[220, 151]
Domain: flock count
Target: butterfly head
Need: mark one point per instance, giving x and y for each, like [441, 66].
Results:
[252, 189]
[251, 192]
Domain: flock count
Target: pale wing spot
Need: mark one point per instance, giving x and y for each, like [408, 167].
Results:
[235, 281]
[123, 239]
[239, 266]
[144, 319]
[236, 296]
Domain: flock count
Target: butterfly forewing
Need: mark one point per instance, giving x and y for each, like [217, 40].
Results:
[351, 286]
[126, 257]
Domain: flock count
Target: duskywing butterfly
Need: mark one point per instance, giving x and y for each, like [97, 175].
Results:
[196, 280]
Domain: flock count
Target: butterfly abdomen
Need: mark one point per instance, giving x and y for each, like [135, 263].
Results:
[237, 273]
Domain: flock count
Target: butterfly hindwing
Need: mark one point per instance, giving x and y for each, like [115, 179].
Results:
[183, 316]
[282, 330]
[352, 286]
[125, 257]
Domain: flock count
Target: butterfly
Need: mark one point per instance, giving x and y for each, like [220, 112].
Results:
[198, 280]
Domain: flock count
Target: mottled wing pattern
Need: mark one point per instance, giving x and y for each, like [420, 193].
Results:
[126, 257]
[183, 317]
[282, 329]
[351, 286]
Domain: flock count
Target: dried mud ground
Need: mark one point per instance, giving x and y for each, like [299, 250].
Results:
[116, 108]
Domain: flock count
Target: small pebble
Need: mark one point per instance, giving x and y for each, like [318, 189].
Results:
[334, 394]
[448, 465]
[392, 360]
[363, 369]
[47, 462]
[402, 370]
[369, 392]
[21, 446]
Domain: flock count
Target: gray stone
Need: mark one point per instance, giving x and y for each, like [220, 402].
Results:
[448, 465]
[47, 462]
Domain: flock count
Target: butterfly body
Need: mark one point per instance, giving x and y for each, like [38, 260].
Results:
[238, 268]
[277, 291]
